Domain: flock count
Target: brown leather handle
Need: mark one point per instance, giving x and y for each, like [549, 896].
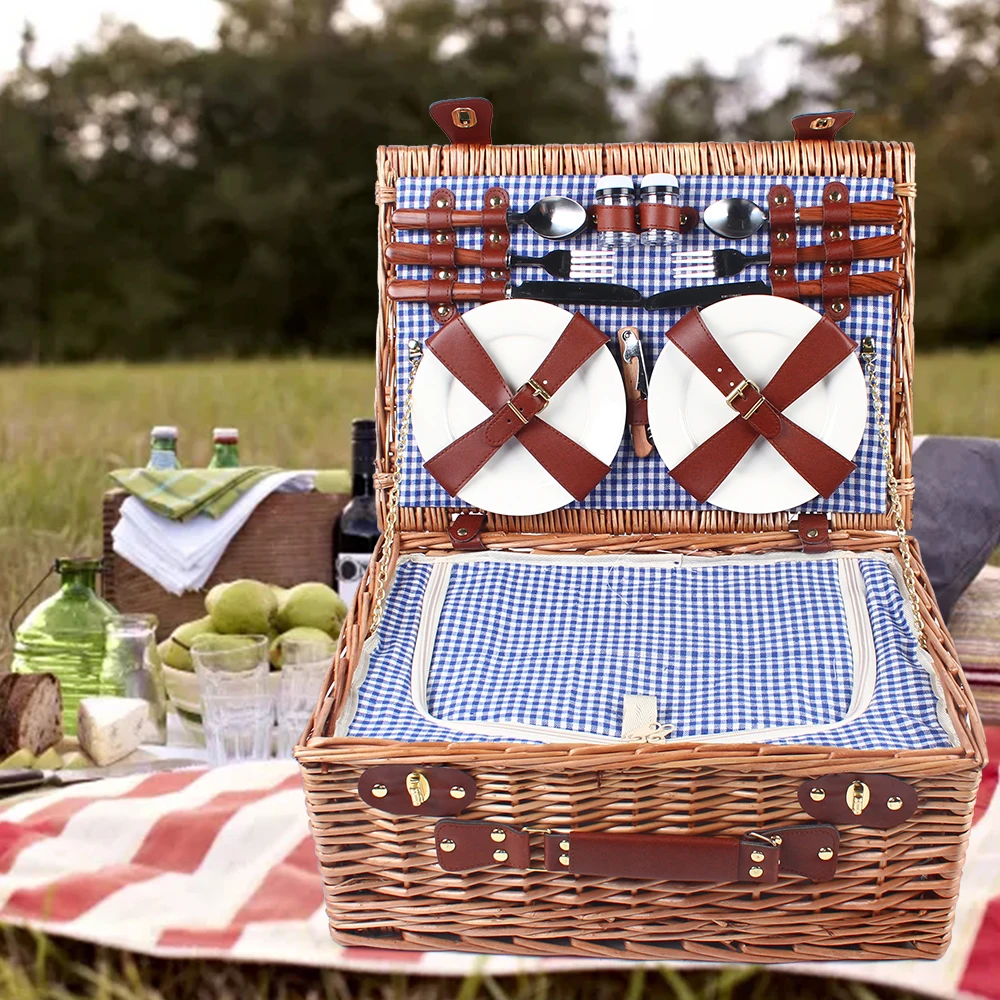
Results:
[861, 285]
[758, 857]
[641, 444]
[420, 253]
[872, 213]
[416, 218]
[421, 291]
[870, 248]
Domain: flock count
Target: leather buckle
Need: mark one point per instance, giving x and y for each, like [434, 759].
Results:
[537, 391]
[738, 393]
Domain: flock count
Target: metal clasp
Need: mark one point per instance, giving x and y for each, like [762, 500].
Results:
[464, 117]
[738, 392]
[418, 787]
[858, 796]
[655, 732]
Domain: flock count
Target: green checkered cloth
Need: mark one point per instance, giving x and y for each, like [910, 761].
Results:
[182, 493]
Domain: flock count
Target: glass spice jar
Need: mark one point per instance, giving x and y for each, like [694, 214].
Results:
[614, 198]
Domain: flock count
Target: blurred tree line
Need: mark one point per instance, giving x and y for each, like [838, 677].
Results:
[157, 199]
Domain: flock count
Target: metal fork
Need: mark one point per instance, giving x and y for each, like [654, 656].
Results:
[570, 263]
[714, 263]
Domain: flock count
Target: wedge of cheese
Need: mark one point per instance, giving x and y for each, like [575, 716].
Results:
[110, 728]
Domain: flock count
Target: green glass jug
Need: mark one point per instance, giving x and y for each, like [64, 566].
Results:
[64, 635]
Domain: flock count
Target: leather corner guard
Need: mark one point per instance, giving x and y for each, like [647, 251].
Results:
[465, 531]
[756, 858]
[464, 120]
[820, 125]
[405, 790]
[879, 801]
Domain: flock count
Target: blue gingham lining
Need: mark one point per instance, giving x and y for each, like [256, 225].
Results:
[645, 484]
[723, 647]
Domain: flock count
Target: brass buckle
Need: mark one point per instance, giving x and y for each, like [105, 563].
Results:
[738, 393]
[537, 391]
[520, 416]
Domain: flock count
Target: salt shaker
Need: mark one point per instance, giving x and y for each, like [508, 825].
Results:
[614, 196]
[659, 212]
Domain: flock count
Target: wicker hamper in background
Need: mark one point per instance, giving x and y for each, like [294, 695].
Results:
[894, 891]
[287, 540]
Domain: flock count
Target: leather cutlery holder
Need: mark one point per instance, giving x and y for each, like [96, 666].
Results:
[783, 241]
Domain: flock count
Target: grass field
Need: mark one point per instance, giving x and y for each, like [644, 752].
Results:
[62, 429]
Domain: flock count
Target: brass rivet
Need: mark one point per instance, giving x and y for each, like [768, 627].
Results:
[895, 803]
[461, 532]
[457, 792]
[464, 117]
[495, 237]
[836, 234]
[818, 123]
[781, 237]
[500, 855]
[496, 201]
[776, 841]
[824, 853]
[496, 274]
[443, 310]
[817, 794]
[756, 871]
[380, 791]
[564, 859]
[780, 199]
[812, 533]
[757, 856]
[444, 274]
[684, 218]
[447, 846]
[441, 203]
[563, 845]
[441, 238]
[498, 835]
[836, 195]
[836, 269]
[780, 272]
[838, 306]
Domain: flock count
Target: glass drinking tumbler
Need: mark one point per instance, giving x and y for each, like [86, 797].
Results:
[236, 703]
[304, 666]
[131, 667]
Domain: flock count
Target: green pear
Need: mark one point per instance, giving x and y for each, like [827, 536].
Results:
[312, 605]
[245, 607]
[325, 645]
[176, 650]
[213, 595]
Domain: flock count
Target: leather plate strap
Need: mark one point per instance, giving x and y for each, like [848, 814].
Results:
[757, 858]
[513, 414]
[760, 410]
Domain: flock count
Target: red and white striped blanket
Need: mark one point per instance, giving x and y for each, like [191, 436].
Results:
[219, 863]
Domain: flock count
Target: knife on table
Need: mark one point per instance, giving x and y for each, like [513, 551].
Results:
[636, 387]
[24, 779]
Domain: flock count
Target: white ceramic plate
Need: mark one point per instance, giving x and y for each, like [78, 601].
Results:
[757, 332]
[589, 408]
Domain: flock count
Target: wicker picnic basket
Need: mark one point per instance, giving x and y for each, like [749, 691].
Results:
[891, 890]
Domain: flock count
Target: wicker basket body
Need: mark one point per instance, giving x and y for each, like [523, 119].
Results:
[894, 892]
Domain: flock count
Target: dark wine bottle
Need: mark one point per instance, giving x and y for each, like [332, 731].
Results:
[356, 530]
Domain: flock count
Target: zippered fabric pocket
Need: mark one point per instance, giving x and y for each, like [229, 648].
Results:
[516, 647]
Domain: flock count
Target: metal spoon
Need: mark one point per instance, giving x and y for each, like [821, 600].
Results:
[554, 217]
[738, 218]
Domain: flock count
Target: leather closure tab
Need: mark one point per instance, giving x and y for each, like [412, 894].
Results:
[412, 790]
[820, 125]
[879, 801]
[464, 846]
[464, 120]
[810, 850]
[465, 531]
[814, 532]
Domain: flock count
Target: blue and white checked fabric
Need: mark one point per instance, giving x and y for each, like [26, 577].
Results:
[645, 484]
[723, 647]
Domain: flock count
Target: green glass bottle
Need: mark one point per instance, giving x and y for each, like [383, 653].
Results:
[163, 448]
[64, 636]
[225, 448]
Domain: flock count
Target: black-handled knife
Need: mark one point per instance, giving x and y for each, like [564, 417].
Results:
[24, 779]
[703, 295]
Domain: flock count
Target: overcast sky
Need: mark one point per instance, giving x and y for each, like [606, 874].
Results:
[724, 33]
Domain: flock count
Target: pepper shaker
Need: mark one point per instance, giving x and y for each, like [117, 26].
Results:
[659, 212]
[614, 195]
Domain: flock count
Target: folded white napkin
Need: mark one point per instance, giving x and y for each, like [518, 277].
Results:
[181, 555]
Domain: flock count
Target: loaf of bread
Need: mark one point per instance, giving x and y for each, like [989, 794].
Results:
[30, 713]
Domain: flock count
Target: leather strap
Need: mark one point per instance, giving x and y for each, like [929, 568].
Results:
[653, 216]
[439, 211]
[820, 125]
[839, 250]
[814, 532]
[615, 218]
[758, 857]
[513, 414]
[466, 530]
[636, 412]
[464, 119]
[761, 410]
[442, 255]
[496, 234]
[783, 241]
